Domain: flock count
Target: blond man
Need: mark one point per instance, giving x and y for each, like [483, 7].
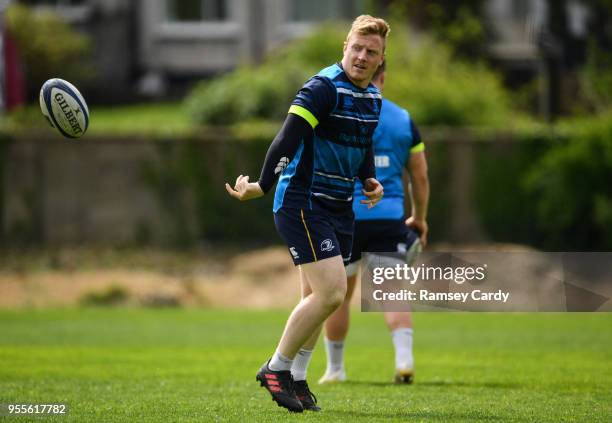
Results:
[324, 144]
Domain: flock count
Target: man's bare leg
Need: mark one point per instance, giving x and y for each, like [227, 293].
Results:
[302, 359]
[299, 368]
[327, 281]
[336, 329]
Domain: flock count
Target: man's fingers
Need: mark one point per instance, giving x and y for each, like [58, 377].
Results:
[372, 200]
[370, 194]
[229, 189]
[377, 192]
[232, 191]
[238, 180]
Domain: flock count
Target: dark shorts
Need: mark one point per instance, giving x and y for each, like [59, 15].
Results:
[313, 235]
[381, 236]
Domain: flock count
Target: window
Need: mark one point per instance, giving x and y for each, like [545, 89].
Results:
[322, 10]
[196, 10]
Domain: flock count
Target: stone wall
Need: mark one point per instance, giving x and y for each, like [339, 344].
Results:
[127, 191]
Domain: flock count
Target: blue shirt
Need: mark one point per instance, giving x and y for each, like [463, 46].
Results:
[322, 173]
[396, 136]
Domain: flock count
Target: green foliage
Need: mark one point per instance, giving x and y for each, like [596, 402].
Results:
[549, 186]
[440, 90]
[48, 45]
[596, 78]
[460, 25]
[243, 94]
[505, 208]
[264, 91]
[464, 31]
[570, 186]
[424, 77]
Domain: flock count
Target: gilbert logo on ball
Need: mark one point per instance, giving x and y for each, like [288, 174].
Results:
[64, 107]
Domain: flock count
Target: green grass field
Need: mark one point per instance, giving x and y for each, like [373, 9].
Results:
[192, 365]
[141, 119]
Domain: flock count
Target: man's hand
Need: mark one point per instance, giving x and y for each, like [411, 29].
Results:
[420, 226]
[244, 190]
[373, 190]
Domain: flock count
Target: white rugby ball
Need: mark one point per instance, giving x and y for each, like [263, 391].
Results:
[64, 107]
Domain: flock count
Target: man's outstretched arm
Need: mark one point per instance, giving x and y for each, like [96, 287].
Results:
[280, 153]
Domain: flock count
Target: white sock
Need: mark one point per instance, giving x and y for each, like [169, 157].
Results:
[300, 364]
[335, 355]
[402, 340]
[280, 362]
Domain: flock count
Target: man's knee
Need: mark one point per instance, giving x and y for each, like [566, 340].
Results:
[338, 294]
[327, 279]
[334, 294]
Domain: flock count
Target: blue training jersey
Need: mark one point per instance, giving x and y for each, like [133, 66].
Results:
[396, 136]
[322, 174]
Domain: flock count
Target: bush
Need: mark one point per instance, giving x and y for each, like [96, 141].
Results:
[49, 46]
[570, 186]
[242, 95]
[440, 90]
[425, 78]
[265, 91]
[459, 24]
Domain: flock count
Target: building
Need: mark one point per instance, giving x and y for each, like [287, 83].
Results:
[148, 46]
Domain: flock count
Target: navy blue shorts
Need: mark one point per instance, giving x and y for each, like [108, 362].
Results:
[313, 235]
[382, 236]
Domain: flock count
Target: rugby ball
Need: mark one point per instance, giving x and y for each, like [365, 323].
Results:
[64, 107]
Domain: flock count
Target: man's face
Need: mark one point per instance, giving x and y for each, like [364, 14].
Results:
[362, 56]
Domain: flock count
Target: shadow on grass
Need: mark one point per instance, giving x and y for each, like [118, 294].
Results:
[437, 383]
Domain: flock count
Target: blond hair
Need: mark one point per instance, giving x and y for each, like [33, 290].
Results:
[367, 25]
